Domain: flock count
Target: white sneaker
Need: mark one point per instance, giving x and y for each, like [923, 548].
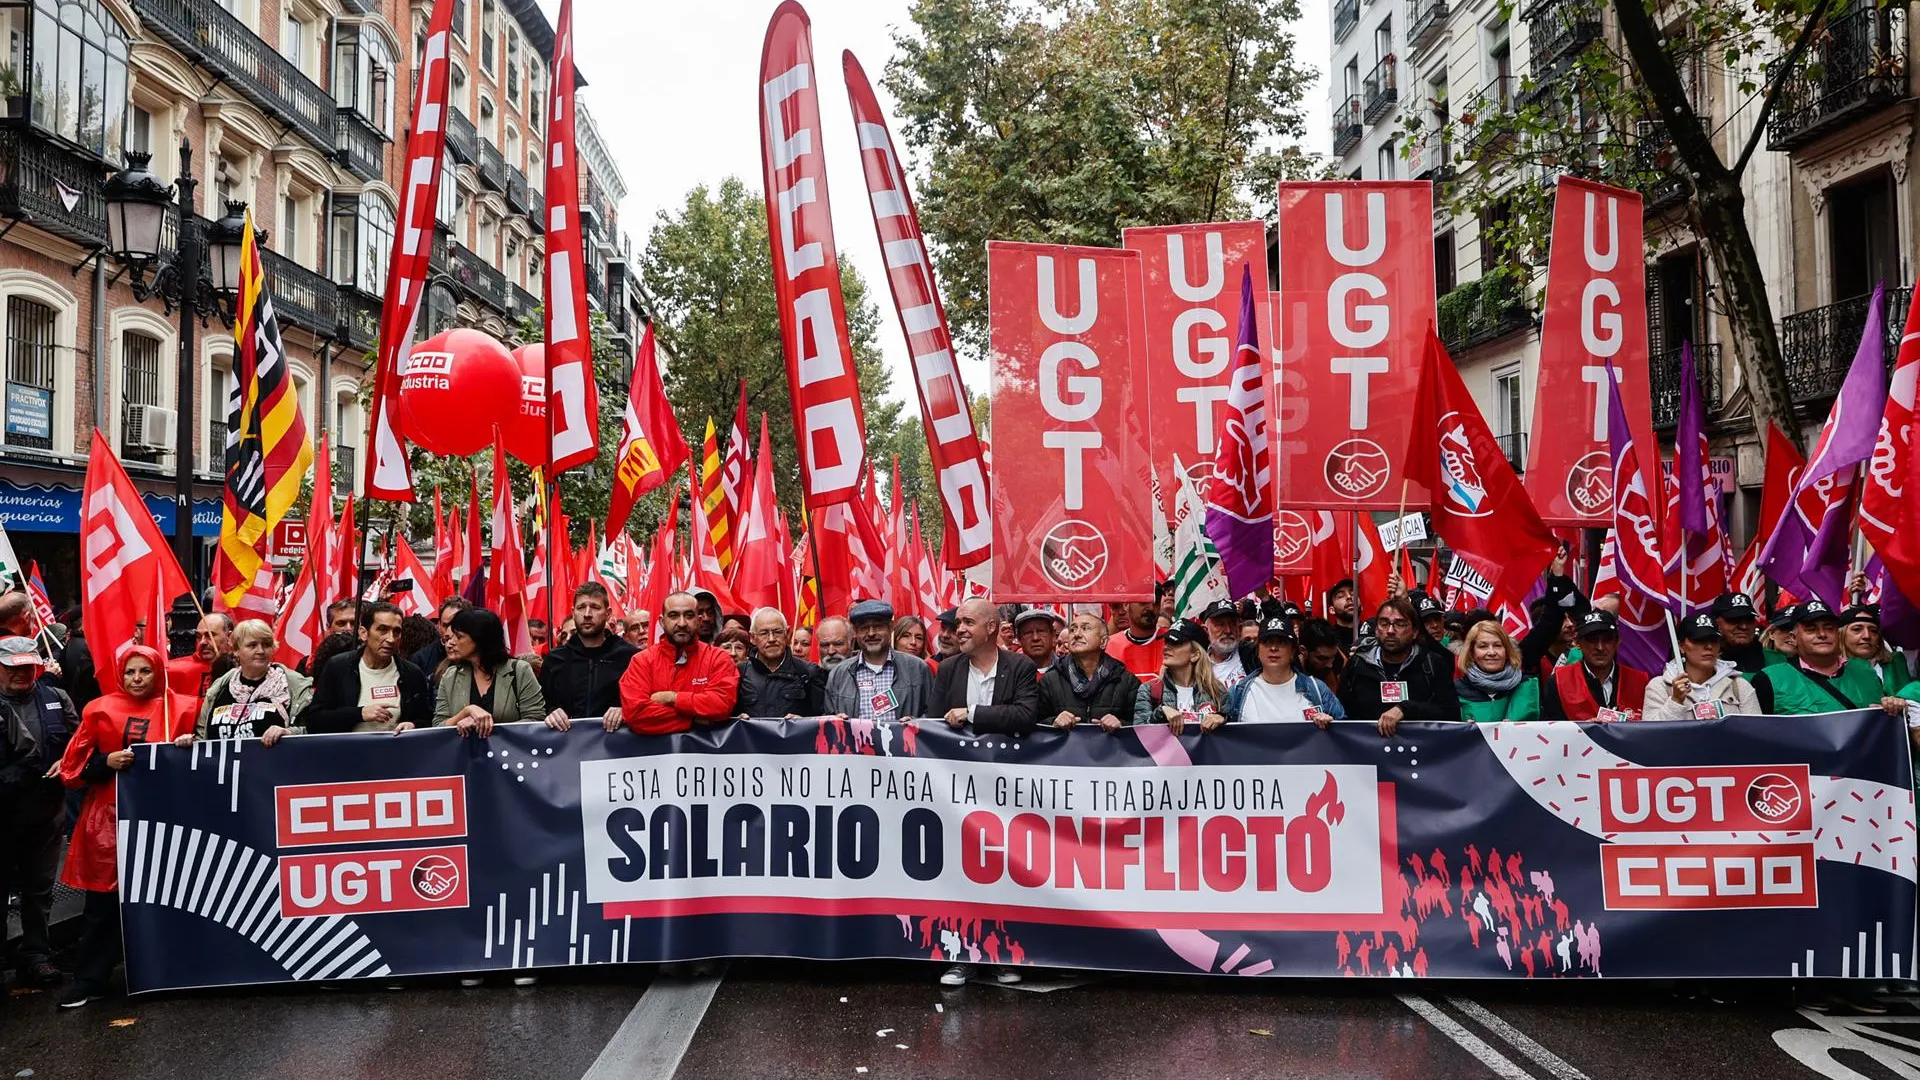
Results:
[955, 975]
[470, 983]
[1006, 976]
[525, 980]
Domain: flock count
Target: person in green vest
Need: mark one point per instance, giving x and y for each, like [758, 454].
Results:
[1777, 642]
[1492, 684]
[1822, 678]
[1860, 638]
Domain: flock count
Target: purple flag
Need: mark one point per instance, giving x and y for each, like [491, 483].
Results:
[1899, 620]
[1240, 499]
[1687, 466]
[1807, 555]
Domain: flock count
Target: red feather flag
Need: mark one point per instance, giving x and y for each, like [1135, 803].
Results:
[573, 399]
[652, 448]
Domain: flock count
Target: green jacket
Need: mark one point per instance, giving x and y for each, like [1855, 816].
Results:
[1893, 675]
[516, 693]
[1785, 690]
[1522, 703]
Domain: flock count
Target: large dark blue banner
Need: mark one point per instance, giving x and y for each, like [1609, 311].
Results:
[1751, 846]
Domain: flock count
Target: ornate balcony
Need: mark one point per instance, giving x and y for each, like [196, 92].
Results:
[519, 199]
[1663, 376]
[302, 297]
[1381, 88]
[1657, 172]
[492, 167]
[1488, 112]
[521, 304]
[1857, 67]
[1431, 158]
[51, 188]
[1346, 16]
[1483, 310]
[361, 313]
[1346, 125]
[462, 141]
[212, 36]
[481, 281]
[1818, 345]
[344, 467]
[359, 146]
[1513, 447]
[1426, 23]
[596, 287]
[1560, 30]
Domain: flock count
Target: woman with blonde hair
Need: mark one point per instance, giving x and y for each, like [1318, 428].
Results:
[257, 697]
[1187, 689]
[1492, 684]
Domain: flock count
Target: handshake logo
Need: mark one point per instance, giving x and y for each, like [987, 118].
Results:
[1073, 555]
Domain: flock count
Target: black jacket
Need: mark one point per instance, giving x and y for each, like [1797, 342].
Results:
[1427, 671]
[1749, 659]
[336, 696]
[1112, 692]
[1016, 694]
[795, 687]
[583, 682]
[76, 672]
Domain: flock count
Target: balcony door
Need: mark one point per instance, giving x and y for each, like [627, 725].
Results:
[1863, 223]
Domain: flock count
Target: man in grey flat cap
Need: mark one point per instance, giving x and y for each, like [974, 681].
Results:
[879, 683]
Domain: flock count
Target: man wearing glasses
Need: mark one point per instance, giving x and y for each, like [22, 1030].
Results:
[1393, 679]
[773, 681]
[879, 682]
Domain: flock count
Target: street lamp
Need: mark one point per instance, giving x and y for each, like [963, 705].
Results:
[200, 276]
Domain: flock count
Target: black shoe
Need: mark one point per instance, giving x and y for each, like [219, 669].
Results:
[39, 973]
[77, 996]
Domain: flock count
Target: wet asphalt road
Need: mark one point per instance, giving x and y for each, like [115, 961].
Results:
[778, 1019]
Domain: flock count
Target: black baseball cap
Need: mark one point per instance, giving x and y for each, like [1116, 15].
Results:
[1733, 607]
[1869, 613]
[1785, 616]
[1597, 621]
[1276, 630]
[1813, 611]
[949, 617]
[1701, 627]
[1187, 632]
[1220, 609]
[1429, 607]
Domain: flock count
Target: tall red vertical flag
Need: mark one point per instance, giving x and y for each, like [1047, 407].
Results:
[734, 466]
[443, 548]
[824, 388]
[472, 550]
[1356, 296]
[713, 498]
[758, 582]
[946, 416]
[124, 564]
[1891, 520]
[651, 446]
[573, 400]
[1070, 403]
[389, 475]
[1595, 313]
[507, 576]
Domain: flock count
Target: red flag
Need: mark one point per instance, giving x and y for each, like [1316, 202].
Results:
[1595, 310]
[899, 547]
[124, 564]
[651, 446]
[507, 577]
[423, 599]
[704, 563]
[946, 416]
[1356, 289]
[1783, 467]
[445, 545]
[1070, 401]
[822, 383]
[388, 474]
[471, 550]
[43, 612]
[298, 629]
[1331, 559]
[1639, 496]
[660, 566]
[573, 399]
[1370, 585]
[926, 582]
[536, 585]
[833, 557]
[1890, 520]
[346, 553]
[1476, 502]
[789, 588]
[732, 493]
[758, 561]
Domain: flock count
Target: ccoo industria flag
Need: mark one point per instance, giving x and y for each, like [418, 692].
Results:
[268, 451]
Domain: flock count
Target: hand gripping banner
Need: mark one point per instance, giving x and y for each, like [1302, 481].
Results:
[1071, 407]
[946, 414]
[1356, 299]
[1595, 312]
[1750, 847]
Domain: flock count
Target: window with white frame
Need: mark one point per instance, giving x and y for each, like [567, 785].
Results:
[77, 85]
[31, 396]
[139, 391]
[376, 240]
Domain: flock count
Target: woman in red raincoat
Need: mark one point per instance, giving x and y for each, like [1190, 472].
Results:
[109, 727]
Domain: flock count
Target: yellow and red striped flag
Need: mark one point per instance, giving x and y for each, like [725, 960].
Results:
[714, 500]
[268, 451]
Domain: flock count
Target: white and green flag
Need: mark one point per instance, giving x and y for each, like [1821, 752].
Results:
[1198, 579]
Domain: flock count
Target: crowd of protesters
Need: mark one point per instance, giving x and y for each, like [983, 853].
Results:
[984, 668]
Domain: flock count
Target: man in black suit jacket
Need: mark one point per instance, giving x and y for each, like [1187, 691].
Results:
[1004, 686]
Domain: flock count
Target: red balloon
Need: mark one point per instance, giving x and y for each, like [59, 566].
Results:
[525, 432]
[455, 388]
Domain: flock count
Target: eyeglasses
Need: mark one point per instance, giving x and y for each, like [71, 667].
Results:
[1394, 624]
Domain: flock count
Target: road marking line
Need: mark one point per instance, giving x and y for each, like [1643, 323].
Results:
[1518, 1039]
[1499, 1064]
[655, 1035]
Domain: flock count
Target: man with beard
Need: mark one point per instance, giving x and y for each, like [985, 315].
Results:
[1340, 604]
[1739, 632]
[1140, 645]
[1232, 659]
[189, 676]
[1037, 629]
[581, 675]
[882, 683]
[1396, 679]
[372, 688]
[678, 681]
[834, 638]
[1821, 677]
[1599, 687]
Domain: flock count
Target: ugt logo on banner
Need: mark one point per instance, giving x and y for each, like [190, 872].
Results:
[1070, 404]
[1356, 296]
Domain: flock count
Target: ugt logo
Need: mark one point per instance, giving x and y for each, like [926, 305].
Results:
[1590, 483]
[1073, 555]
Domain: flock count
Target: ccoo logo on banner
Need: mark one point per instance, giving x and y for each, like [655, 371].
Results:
[1528, 850]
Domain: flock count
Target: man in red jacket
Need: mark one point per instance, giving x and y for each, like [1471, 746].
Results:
[680, 680]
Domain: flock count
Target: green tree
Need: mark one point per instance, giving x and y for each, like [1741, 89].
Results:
[1618, 106]
[707, 275]
[1065, 121]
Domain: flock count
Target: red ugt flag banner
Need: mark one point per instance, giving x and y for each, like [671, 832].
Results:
[827, 420]
[1356, 296]
[1595, 312]
[573, 400]
[1192, 276]
[1070, 401]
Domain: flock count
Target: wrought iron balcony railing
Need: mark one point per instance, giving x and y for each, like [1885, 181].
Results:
[361, 313]
[211, 35]
[483, 282]
[359, 145]
[302, 297]
[1426, 21]
[1818, 345]
[1513, 446]
[1857, 67]
[344, 464]
[38, 178]
[1381, 88]
[519, 200]
[462, 141]
[1663, 376]
[1346, 16]
[1560, 30]
[1658, 173]
[1431, 158]
[492, 167]
[1490, 307]
[1346, 125]
[521, 304]
[1489, 114]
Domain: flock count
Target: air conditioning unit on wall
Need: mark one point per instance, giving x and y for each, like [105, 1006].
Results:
[150, 429]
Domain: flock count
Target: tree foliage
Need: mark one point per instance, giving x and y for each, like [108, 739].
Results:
[708, 277]
[1065, 121]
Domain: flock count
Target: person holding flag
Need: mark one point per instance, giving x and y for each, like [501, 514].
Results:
[1699, 685]
[1599, 687]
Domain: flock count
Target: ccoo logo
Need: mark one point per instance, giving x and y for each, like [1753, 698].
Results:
[1073, 555]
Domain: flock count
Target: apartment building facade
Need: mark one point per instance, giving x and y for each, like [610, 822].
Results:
[299, 110]
[1828, 202]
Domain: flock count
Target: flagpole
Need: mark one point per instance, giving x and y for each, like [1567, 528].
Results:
[551, 485]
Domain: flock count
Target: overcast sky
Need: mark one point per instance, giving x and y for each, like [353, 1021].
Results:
[672, 88]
